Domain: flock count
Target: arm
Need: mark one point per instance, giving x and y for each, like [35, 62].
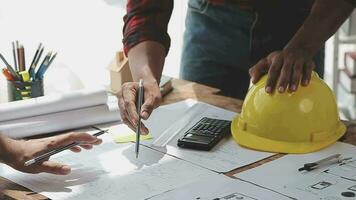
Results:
[16, 152]
[146, 42]
[294, 62]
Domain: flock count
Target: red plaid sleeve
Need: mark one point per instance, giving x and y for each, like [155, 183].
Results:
[147, 20]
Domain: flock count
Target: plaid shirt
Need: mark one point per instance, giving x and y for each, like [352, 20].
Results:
[148, 20]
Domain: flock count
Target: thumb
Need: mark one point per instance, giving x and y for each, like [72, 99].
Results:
[54, 168]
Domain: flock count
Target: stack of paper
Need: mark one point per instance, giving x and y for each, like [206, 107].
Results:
[57, 113]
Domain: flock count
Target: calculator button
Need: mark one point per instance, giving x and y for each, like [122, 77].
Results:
[211, 128]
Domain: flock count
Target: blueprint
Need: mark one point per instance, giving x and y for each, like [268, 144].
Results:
[110, 171]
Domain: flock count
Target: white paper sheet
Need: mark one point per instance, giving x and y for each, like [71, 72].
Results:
[282, 175]
[52, 103]
[61, 121]
[219, 187]
[225, 156]
[110, 171]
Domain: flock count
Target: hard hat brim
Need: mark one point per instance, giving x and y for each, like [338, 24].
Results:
[255, 142]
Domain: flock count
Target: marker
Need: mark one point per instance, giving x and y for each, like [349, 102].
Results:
[7, 74]
[25, 76]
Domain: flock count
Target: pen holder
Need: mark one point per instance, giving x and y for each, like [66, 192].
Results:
[18, 90]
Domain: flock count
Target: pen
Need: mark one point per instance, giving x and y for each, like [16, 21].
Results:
[55, 151]
[139, 105]
[333, 159]
[33, 75]
[43, 65]
[39, 56]
[7, 74]
[31, 70]
[11, 70]
[42, 70]
[14, 54]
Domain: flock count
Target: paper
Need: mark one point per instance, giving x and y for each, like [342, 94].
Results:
[323, 186]
[219, 187]
[110, 171]
[52, 103]
[225, 156]
[61, 121]
[131, 138]
[282, 175]
[123, 134]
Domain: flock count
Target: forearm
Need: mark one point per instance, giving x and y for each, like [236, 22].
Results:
[323, 21]
[146, 61]
[4, 144]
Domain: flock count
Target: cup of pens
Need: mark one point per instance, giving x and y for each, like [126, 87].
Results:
[25, 83]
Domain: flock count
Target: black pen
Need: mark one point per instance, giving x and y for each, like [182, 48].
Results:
[55, 151]
[31, 70]
[139, 105]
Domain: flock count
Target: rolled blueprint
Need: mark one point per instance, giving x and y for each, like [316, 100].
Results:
[52, 104]
[61, 121]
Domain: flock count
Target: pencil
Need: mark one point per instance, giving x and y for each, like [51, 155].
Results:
[22, 63]
[15, 56]
[139, 105]
[18, 55]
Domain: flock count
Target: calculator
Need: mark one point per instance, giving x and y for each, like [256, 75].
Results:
[205, 134]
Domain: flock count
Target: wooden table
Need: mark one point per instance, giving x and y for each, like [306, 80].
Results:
[182, 90]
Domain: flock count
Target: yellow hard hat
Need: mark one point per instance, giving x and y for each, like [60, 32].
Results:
[300, 122]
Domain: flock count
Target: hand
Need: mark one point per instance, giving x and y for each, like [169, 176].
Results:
[17, 152]
[127, 103]
[285, 70]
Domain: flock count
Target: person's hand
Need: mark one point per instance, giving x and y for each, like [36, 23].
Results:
[17, 152]
[286, 69]
[127, 103]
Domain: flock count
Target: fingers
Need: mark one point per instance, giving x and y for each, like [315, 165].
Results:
[258, 70]
[152, 100]
[53, 168]
[76, 149]
[296, 75]
[285, 75]
[307, 71]
[273, 73]
[127, 99]
[62, 140]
